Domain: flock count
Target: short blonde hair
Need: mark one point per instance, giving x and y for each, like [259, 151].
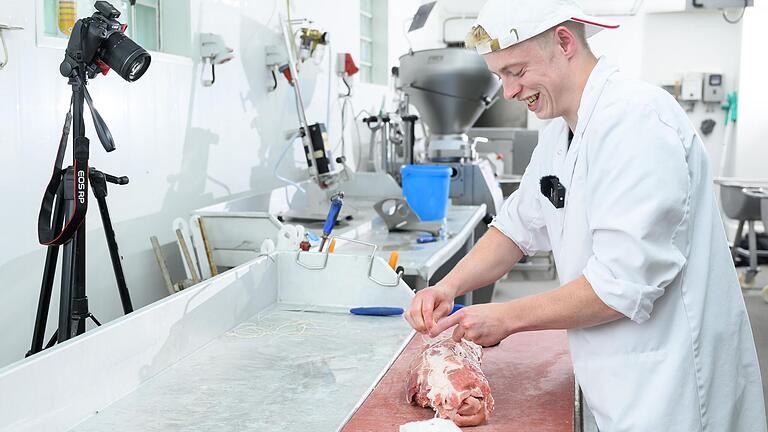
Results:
[476, 36]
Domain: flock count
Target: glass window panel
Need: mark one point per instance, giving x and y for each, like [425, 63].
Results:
[146, 27]
[366, 49]
[127, 17]
[373, 41]
[366, 26]
[59, 16]
[50, 17]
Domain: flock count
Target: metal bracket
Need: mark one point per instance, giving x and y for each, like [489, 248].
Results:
[2, 41]
[370, 262]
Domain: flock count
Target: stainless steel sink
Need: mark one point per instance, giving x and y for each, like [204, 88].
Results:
[738, 205]
[745, 200]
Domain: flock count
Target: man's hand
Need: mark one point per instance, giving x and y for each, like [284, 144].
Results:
[429, 305]
[483, 324]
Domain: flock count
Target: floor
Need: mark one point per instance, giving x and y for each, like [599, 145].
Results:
[524, 283]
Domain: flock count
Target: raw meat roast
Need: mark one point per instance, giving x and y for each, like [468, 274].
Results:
[447, 377]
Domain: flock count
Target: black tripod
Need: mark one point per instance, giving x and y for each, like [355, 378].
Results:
[69, 189]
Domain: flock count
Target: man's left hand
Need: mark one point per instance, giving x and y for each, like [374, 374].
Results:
[483, 324]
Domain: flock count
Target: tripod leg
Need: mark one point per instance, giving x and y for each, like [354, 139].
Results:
[67, 275]
[52, 341]
[73, 306]
[46, 288]
[79, 299]
[99, 188]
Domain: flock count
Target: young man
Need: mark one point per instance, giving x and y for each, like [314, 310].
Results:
[619, 189]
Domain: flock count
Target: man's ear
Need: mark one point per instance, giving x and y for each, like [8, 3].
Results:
[565, 41]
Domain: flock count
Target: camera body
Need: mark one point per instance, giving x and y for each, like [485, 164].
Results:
[98, 43]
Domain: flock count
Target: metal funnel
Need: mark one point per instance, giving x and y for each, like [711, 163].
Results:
[451, 87]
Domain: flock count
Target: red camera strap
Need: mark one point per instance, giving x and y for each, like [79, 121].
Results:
[47, 233]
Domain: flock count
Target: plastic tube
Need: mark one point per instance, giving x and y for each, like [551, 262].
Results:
[288, 146]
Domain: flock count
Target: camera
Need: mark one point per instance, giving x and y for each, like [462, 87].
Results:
[553, 190]
[98, 43]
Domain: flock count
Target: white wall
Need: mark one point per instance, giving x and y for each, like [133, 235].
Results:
[751, 151]
[182, 145]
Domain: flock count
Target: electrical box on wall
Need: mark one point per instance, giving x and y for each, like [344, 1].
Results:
[713, 88]
[693, 5]
[692, 87]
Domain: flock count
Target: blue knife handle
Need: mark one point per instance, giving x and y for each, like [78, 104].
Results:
[455, 308]
[333, 215]
[376, 311]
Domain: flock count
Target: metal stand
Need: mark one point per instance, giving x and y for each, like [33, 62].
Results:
[73, 305]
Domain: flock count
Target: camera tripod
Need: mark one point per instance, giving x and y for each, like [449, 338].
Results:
[69, 189]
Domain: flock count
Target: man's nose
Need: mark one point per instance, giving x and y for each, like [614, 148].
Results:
[511, 90]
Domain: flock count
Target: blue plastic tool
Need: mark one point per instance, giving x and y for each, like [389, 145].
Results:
[312, 236]
[333, 214]
[382, 311]
[426, 239]
[455, 308]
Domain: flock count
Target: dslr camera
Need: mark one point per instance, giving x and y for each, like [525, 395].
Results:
[98, 43]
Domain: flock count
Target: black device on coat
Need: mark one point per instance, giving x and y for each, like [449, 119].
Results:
[553, 190]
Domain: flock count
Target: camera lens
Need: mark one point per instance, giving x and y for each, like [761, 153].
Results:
[126, 57]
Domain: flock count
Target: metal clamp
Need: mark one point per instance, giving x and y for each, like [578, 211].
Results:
[2, 42]
[370, 262]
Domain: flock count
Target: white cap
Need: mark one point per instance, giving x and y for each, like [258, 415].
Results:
[508, 22]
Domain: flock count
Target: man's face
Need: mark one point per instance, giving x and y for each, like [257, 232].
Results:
[530, 72]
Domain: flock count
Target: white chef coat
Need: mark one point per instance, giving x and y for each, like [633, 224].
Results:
[641, 224]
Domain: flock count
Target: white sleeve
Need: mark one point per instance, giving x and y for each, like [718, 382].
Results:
[520, 217]
[639, 196]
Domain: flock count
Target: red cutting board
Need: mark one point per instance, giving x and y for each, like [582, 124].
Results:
[531, 380]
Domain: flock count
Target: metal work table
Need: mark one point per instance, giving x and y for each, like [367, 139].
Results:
[259, 347]
[280, 370]
[418, 260]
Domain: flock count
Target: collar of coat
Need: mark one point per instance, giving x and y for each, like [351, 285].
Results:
[592, 91]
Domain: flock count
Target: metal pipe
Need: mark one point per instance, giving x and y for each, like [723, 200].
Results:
[385, 146]
[288, 38]
[409, 131]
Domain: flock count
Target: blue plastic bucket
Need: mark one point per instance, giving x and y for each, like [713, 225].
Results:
[425, 188]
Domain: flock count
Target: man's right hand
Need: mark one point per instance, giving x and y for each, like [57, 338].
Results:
[429, 305]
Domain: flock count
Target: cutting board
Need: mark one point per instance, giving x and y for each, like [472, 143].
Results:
[531, 381]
